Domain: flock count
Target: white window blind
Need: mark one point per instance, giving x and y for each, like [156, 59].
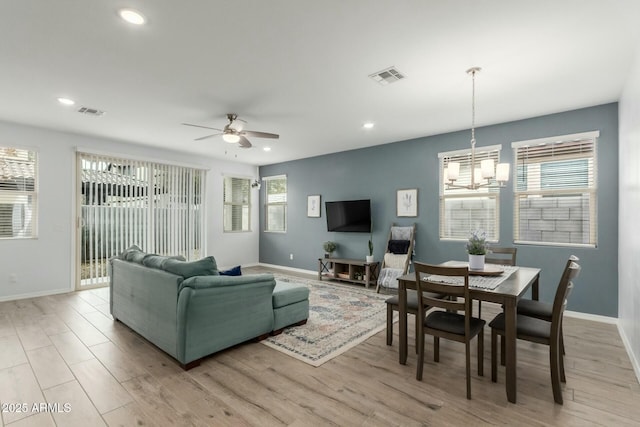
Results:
[18, 193]
[237, 204]
[276, 203]
[124, 202]
[556, 190]
[463, 210]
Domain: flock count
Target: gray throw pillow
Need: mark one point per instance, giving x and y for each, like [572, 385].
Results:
[134, 254]
[203, 267]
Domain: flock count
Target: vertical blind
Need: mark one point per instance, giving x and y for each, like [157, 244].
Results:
[276, 203]
[18, 193]
[124, 202]
[463, 210]
[556, 190]
[237, 204]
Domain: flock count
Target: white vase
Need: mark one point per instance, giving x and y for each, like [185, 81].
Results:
[369, 258]
[476, 262]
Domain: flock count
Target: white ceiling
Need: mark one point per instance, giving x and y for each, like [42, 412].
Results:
[300, 68]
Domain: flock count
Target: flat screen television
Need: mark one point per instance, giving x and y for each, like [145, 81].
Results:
[349, 215]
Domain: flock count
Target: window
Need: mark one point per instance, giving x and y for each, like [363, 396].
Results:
[18, 193]
[556, 194]
[463, 210]
[237, 204]
[276, 203]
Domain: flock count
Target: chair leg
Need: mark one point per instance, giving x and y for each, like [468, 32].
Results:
[481, 353]
[417, 321]
[554, 361]
[479, 309]
[389, 324]
[420, 339]
[436, 349]
[563, 378]
[503, 351]
[468, 369]
[494, 355]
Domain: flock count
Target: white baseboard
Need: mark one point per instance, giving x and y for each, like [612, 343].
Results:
[282, 267]
[632, 357]
[594, 317]
[35, 294]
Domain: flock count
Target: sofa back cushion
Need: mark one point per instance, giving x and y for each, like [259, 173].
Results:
[156, 261]
[203, 267]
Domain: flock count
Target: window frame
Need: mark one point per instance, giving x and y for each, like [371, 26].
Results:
[591, 188]
[246, 206]
[268, 204]
[33, 193]
[490, 193]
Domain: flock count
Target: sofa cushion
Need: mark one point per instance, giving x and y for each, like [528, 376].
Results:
[155, 261]
[289, 293]
[235, 271]
[203, 267]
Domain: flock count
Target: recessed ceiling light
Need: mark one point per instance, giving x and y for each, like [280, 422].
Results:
[66, 101]
[132, 16]
[267, 148]
[368, 125]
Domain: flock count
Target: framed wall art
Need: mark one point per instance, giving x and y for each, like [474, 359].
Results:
[313, 206]
[407, 202]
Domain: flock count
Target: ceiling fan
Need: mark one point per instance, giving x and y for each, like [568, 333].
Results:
[233, 132]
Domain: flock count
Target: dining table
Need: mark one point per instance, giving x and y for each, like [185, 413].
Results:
[507, 293]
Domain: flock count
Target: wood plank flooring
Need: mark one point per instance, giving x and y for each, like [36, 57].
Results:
[66, 350]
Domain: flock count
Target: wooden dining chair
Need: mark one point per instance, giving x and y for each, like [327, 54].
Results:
[544, 311]
[452, 282]
[540, 331]
[500, 256]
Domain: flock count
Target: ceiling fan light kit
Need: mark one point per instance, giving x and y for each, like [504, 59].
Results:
[231, 138]
[486, 171]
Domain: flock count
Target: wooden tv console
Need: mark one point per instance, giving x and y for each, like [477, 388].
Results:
[348, 270]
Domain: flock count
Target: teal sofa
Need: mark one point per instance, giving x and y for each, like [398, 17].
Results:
[186, 308]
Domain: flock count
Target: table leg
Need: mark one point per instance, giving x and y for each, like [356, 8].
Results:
[402, 322]
[534, 289]
[510, 347]
[367, 274]
[320, 266]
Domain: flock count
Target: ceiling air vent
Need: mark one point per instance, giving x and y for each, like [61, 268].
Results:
[90, 111]
[387, 76]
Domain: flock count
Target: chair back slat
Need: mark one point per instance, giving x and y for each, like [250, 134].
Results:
[506, 256]
[457, 293]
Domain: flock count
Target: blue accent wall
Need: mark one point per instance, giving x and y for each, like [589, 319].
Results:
[378, 172]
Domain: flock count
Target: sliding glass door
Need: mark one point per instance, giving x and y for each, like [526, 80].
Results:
[122, 202]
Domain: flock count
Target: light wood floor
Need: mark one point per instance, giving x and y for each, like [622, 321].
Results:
[66, 349]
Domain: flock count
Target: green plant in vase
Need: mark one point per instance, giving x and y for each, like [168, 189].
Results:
[329, 247]
[477, 247]
[370, 257]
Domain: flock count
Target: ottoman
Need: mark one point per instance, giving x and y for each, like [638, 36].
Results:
[290, 305]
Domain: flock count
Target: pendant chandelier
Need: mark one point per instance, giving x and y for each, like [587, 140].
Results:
[483, 175]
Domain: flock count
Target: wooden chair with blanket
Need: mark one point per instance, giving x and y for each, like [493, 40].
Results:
[397, 259]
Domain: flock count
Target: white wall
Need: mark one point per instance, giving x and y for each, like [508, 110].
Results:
[45, 265]
[629, 206]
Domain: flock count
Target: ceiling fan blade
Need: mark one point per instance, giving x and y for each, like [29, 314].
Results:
[206, 137]
[204, 127]
[244, 142]
[260, 134]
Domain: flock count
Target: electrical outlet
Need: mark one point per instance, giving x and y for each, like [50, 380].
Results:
[13, 278]
[290, 256]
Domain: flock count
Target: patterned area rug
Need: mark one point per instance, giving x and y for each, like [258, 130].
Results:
[340, 317]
